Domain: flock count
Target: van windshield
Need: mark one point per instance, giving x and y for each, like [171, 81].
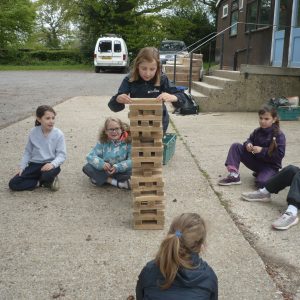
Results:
[105, 46]
[172, 46]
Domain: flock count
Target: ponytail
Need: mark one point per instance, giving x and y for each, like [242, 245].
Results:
[273, 146]
[186, 235]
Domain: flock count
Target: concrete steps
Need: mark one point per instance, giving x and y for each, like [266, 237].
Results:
[218, 91]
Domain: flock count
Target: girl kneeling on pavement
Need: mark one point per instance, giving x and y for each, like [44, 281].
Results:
[44, 153]
[178, 272]
[262, 152]
[110, 160]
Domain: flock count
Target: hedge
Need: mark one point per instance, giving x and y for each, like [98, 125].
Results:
[28, 56]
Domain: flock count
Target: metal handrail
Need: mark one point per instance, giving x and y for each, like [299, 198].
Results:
[184, 49]
[222, 45]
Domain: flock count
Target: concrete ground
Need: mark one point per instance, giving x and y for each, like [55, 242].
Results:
[78, 243]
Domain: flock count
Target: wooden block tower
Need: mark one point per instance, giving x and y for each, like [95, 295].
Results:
[147, 153]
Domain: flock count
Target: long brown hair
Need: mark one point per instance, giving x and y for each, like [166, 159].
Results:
[103, 138]
[187, 234]
[148, 54]
[276, 126]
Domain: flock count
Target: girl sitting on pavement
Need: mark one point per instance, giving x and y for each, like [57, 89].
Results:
[110, 160]
[146, 81]
[44, 153]
[262, 152]
[288, 176]
[178, 272]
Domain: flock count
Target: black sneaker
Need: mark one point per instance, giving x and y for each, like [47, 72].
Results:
[230, 180]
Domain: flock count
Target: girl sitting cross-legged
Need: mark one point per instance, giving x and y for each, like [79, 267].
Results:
[110, 160]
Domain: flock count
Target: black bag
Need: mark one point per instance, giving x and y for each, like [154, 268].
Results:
[189, 107]
[279, 101]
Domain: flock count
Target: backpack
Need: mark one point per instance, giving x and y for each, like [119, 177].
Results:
[189, 107]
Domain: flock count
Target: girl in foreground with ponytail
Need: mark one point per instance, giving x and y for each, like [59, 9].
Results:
[262, 152]
[178, 272]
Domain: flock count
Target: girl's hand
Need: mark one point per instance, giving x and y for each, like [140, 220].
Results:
[256, 149]
[112, 170]
[47, 167]
[167, 97]
[124, 99]
[106, 167]
[249, 147]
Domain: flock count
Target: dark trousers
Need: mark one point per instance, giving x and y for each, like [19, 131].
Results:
[100, 176]
[30, 177]
[237, 153]
[288, 176]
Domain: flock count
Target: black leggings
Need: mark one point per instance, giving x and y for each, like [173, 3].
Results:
[288, 176]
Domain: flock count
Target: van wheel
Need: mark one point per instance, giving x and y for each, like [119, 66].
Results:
[97, 69]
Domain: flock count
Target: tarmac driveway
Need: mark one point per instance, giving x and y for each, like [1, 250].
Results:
[22, 91]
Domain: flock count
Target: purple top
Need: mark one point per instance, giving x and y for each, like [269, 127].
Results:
[263, 137]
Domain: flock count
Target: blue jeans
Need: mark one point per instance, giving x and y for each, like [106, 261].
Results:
[100, 176]
[30, 177]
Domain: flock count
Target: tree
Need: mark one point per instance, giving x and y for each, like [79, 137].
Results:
[53, 23]
[16, 22]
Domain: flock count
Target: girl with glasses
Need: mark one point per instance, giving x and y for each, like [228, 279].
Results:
[110, 160]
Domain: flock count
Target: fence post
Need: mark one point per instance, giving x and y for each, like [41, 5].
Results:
[174, 70]
[248, 47]
[222, 51]
[191, 72]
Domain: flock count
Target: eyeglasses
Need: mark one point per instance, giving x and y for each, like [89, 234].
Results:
[118, 129]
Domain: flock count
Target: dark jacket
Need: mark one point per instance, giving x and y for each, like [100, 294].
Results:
[263, 137]
[200, 283]
[147, 89]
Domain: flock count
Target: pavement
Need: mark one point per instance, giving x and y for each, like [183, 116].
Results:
[78, 242]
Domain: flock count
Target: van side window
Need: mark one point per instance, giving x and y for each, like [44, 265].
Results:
[117, 46]
[105, 46]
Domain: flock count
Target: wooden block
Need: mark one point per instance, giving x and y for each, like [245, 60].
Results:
[142, 107]
[146, 123]
[147, 191]
[147, 151]
[149, 198]
[144, 118]
[146, 162]
[146, 183]
[148, 224]
[140, 143]
[138, 172]
[144, 129]
[148, 214]
[157, 204]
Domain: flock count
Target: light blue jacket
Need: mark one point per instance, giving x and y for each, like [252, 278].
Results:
[116, 153]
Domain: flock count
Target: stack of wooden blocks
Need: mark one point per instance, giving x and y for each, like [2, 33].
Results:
[147, 153]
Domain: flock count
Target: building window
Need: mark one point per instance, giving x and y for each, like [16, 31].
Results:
[258, 14]
[234, 17]
[225, 11]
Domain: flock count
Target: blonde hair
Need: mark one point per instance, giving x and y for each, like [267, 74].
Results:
[148, 54]
[187, 234]
[103, 138]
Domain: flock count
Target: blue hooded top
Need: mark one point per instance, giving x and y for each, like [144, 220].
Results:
[200, 283]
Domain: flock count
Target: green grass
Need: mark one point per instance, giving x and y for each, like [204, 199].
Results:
[48, 67]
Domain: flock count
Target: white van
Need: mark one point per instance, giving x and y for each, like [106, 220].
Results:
[111, 53]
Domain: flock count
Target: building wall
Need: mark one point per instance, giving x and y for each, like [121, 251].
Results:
[260, 40]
